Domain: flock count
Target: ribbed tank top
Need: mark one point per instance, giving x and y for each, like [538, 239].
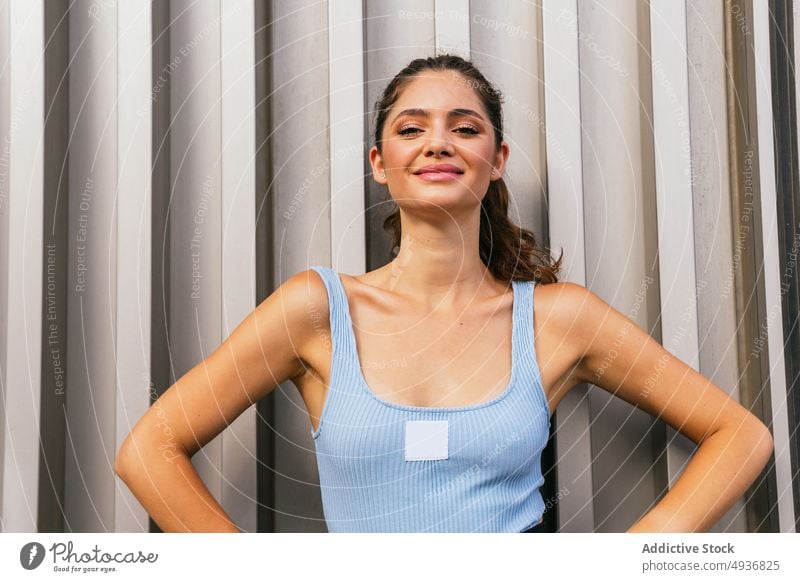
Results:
[488, 478]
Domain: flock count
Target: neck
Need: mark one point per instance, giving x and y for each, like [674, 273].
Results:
[439, 262]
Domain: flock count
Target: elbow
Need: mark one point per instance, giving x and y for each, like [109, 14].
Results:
[122, 460]
[762, 444]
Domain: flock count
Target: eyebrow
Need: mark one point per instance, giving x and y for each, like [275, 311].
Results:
[459, 112]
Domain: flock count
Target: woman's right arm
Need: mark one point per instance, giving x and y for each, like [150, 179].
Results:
[262, 352]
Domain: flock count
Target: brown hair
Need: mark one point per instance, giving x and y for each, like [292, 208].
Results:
[508, 250]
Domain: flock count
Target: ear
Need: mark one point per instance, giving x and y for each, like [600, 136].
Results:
[500, 161]
[376, 161]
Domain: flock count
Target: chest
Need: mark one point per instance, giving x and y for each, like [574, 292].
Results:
[432, 362]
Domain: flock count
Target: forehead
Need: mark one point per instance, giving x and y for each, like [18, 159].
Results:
[438, 91]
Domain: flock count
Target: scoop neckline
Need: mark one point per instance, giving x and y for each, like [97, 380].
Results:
[355, 360]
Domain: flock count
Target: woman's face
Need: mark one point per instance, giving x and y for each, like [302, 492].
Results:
[438, 119]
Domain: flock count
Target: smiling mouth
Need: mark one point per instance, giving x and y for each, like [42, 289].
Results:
[439, 176]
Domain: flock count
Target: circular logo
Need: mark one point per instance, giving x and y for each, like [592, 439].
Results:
[31, 555]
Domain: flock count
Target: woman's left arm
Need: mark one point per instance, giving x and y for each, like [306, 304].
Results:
[734, 445]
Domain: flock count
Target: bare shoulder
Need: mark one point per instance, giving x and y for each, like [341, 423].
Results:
[560, 306]
[558, 336]
[304, 301]
[582, 320]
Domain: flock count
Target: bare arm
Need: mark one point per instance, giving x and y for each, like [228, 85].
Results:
[734, 445]
[263, 351]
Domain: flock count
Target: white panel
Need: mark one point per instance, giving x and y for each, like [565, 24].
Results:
[239, 459]
[452, 27]
[134, 213]
[565, 189]
[773, 278]
[673, 165]
[5, 151]
[346, 103]
[22, 376]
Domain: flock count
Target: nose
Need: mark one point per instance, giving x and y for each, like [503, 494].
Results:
[438, 141]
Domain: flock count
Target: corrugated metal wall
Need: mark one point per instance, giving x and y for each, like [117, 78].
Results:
[166, 165]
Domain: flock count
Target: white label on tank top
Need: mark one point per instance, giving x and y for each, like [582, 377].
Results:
[426, 440]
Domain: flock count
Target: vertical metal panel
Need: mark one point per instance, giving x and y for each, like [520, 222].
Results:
[133, 260]
[566, 224]
[673, 168]
[196, 208]
[301, 198]
[716, 310]
[24, 83]
[504, 46]
[264, 251]
[745, 169]
[54, 272]
[347, 122]
[91, 407]
[393, 38]
[620, 237]
[5, 159]
[453, 26]
[772, 39]
[238, 238]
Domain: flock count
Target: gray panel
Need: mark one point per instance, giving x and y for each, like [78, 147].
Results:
[504, 47]
[195, 209]
[55, 273]
[90, 438]
[301, 204]
[394, 37]
[620, 239]
[716, 311]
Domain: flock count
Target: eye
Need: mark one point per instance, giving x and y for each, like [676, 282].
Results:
[406, 130]
[468, 129]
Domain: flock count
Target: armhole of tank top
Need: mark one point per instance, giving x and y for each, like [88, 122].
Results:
[531, 336]
[325, 273]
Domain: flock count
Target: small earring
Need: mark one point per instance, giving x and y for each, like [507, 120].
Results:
[383, 175]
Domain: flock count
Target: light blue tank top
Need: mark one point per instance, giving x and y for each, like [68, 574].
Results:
[386, 467]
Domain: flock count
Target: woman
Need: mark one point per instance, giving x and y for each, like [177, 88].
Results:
[419, 421]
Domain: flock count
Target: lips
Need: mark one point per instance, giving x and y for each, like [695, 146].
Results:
[440, 168]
